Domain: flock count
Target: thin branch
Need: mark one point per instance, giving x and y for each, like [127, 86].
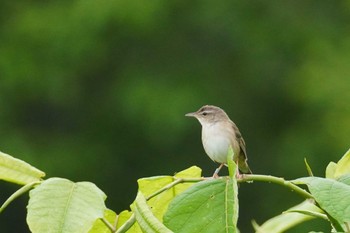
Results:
[126, 226]
[18, 193]
[112, 228]
[309, 213]
[276, 180]
[172, 184]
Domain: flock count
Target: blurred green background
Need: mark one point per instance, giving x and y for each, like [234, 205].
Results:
[97, 91]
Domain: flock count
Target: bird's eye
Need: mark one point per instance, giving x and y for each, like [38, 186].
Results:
[204, 113]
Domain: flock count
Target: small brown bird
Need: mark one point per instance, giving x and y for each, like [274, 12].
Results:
[218, 133]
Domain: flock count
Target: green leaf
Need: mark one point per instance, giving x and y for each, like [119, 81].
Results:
[233, 170]
[127, 223]
[344, 179]
[207, 206]
[336, 170]
[159, 203]
[308, 168]
[288, 219]
[145, 218]
[330, 170]
[331, 195]
[123, 217]
[191, 172]
[149, 185]
[17, 171]
[232, 167]
[100, 227]
[60, 205]
[343, 165]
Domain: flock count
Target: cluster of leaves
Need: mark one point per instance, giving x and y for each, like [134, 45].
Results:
[330, 200]
[60, 205]
[185, 202]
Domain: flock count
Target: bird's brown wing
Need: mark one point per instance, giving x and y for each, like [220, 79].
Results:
[242, 158]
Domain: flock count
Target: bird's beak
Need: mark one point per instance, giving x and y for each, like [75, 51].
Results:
[191, 114]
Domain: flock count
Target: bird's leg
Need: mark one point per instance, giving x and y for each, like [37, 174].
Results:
[238, 174]
[215, 175]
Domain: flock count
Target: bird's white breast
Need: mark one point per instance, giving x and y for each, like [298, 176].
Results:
[216, 140]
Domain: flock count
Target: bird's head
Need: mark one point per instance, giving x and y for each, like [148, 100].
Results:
[209, 114]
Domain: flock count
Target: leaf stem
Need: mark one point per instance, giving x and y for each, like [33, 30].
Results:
[276, 180]
[18, 193]
[172, 184]
[126, 226]
[108, 224]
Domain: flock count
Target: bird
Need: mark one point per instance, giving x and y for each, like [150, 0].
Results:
[219, 132]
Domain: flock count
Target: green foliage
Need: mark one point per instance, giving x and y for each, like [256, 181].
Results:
[337, 170]
[145, 218]
[160, 191]
[109, 217]
[331, 195]
[151, 186]
[185, 202]
[207, 206]
[18, 171]
[290, 218]
[67, 206]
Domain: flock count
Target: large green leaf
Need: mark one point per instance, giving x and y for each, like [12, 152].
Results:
[289, 219]
[17, 171]
[62, 206]
[207, 206]
[332, 196]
